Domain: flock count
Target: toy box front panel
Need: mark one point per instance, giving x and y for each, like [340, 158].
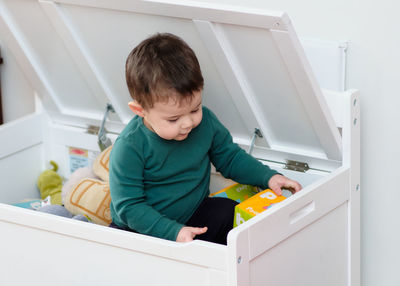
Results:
[34, 241]
[294, 260]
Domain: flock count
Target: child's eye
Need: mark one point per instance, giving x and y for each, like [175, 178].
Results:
[194, 111]
[173, 120]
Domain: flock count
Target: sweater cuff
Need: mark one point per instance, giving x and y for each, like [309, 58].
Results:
[174, 232]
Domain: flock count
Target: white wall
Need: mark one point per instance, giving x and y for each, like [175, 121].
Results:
[374, 69]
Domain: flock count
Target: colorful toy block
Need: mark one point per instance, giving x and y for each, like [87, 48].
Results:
[256, 205]
[236, 192]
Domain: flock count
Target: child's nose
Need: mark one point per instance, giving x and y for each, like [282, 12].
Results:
[187, 122]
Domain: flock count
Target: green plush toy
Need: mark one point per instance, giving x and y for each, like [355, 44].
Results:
[50, 184]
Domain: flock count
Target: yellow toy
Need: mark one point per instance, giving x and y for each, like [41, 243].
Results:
[50, 184]
[255, 205]
[236, 192]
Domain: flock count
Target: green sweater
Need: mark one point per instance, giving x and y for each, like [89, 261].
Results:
[157, 184]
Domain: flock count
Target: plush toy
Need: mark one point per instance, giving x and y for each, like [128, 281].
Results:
[100, 165]
[61, 211]
[90, 196]
[75, 178]
[50, 184]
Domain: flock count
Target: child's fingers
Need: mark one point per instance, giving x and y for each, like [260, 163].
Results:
[277, 190]
[283, 182]
[297, 187]
[187, 233]
[199, 230]
[293, 185]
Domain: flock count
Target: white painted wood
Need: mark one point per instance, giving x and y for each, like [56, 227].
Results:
[268, 229]
[26, 131]
[238, 254]
[192, 10]
[61, 138]
[309, 92]
[325, 194]
[338, 104]
[81, 56]
[351, 137]
[195, 252]
[21, 142]
[19, 174]
[63, 90]
[11, 33]
[277, 156]
[234, 78]
[251, 258]
[274, 91]
[301, 259]
[309, 239]
[113, 127]
[106, 255]
[72, 136]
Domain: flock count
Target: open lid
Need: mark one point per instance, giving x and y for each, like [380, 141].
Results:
[255, 70]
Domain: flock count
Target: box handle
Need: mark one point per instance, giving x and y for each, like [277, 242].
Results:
[302, 212]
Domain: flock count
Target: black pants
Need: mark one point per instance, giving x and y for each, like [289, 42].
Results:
[217, 215]
[214, 213]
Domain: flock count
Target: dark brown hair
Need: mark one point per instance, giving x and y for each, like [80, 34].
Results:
[160, 66]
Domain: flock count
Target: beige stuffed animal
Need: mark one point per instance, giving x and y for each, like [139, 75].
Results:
[91, 197]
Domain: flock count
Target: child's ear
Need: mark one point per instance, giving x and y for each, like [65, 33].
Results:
[136, 108]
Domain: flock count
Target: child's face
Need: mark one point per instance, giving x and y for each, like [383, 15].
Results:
[173, 120]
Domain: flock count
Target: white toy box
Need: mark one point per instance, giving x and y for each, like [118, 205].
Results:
[259, 83]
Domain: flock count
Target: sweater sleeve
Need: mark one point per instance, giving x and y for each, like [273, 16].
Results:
[233, 162]
[128, 197]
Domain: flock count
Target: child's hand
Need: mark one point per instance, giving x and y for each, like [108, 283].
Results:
[187, 233]
[278, 181]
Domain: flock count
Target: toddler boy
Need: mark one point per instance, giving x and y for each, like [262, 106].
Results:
[160, 163]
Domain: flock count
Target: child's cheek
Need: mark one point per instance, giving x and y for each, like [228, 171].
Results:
[199, 118]
[166, 132]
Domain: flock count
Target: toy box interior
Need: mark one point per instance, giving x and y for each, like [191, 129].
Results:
[258, 81]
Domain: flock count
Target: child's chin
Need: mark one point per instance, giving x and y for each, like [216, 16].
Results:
[181, 137]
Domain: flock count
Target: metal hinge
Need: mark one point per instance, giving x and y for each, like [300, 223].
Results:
[92, 129]
[296, 166]
[256, 133]
[100, 131]
[103, 140]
